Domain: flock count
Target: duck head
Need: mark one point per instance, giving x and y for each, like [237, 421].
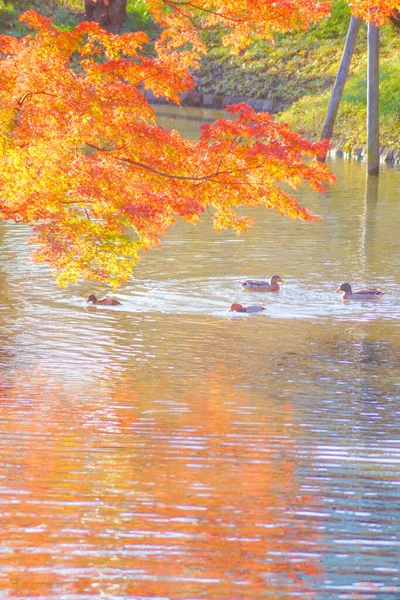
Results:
[237, 308]
[345, 287]
[276, 279]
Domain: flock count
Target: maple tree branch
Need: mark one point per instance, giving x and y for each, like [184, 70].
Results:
[182, 13]
[175, 4]
[169, 175]
[75, 202]
[160, 173]
[210, 177]
[210, 213]
[235, 142]
[25, 96]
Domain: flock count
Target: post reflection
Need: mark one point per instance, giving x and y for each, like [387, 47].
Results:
[368, 220]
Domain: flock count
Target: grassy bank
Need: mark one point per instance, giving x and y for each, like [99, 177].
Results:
[297, 72]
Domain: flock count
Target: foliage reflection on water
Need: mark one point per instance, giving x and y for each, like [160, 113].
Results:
[166, 449]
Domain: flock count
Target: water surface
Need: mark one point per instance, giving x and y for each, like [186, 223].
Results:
[169, 449]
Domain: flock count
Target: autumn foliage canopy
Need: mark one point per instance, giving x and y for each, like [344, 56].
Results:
[84, 163]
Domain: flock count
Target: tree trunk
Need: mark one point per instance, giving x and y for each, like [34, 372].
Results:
[340, 79]
[395, 18]
[110, 14]
[373, 101]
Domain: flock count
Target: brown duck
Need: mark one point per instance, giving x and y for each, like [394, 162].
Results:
[262, 286]
[92, 299]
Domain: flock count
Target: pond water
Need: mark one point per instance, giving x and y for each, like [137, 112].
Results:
[170, 449]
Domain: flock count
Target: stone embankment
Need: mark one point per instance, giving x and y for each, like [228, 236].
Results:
[343, 149]
[200, 100]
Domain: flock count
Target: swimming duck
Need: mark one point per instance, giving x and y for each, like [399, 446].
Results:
[92, 299]
[263, 286]
[247, 309]
[367, 294]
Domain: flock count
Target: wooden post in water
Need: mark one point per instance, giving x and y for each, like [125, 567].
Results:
[373, 101]
[340, 80]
